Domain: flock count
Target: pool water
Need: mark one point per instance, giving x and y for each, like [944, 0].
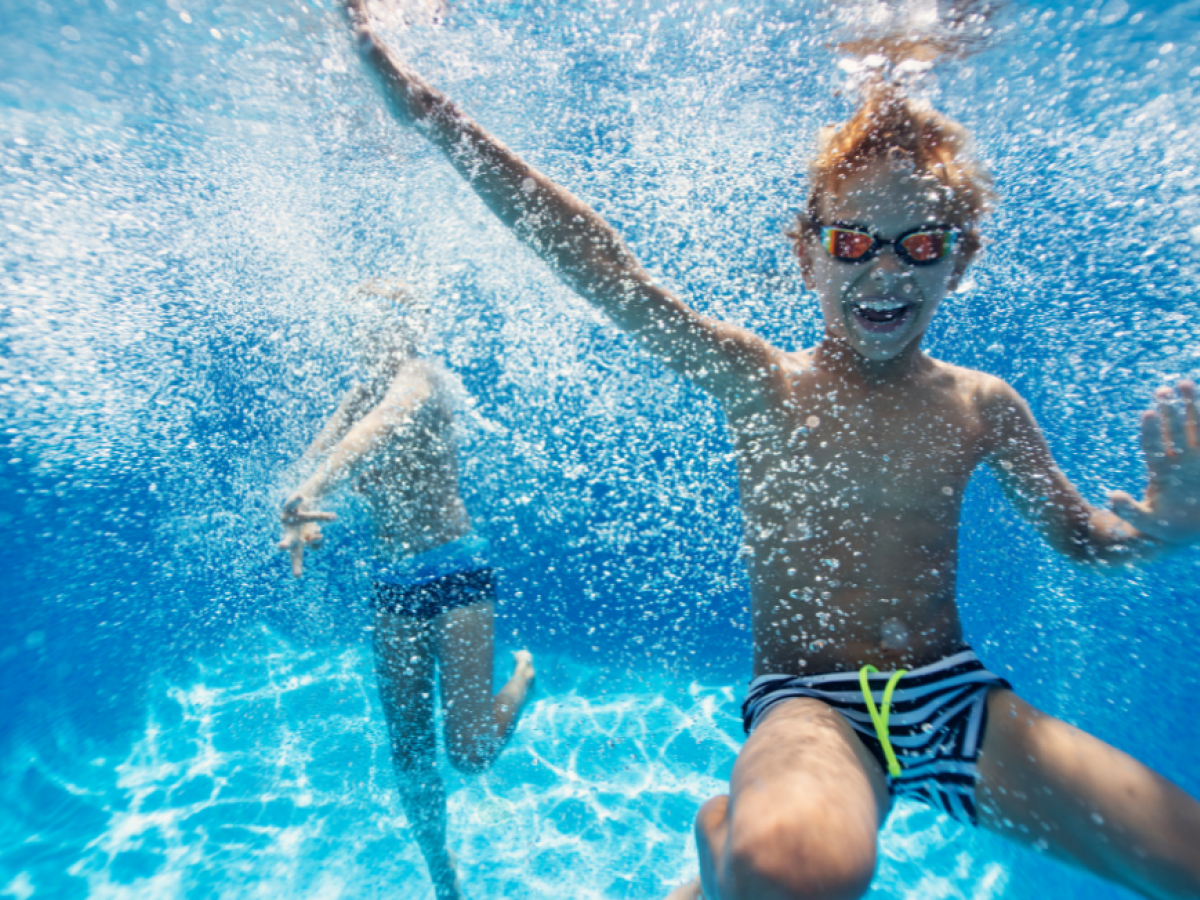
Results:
[188, 190]
[267, 775]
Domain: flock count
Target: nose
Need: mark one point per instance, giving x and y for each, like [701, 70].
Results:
[888, 267]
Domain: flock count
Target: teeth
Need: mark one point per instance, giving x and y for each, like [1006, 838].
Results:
[882, 305]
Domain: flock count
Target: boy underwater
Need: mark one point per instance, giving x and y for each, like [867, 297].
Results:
[434, 589]
[858, 451]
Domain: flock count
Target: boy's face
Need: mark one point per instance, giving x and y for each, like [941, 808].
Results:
[883, 306]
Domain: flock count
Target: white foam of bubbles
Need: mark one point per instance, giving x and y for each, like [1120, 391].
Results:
[269, 776]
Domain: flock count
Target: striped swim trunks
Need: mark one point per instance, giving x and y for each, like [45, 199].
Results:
[936, 723]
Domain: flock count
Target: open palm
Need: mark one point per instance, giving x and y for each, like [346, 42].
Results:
[1170, 510]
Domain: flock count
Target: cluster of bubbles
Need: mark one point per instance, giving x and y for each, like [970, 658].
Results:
[190, 191]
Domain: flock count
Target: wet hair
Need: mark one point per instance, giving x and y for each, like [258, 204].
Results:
[891, 126]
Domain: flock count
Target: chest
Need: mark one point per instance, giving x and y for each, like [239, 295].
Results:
[879, 450]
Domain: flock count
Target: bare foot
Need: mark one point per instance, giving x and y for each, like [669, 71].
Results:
[445, 884]
[510, 702]
[689, 891]
[523, 666]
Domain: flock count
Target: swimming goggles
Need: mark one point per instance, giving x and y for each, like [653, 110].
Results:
[921, 246]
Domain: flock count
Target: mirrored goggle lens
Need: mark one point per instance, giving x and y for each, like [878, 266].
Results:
[846, 244]
[928, 246]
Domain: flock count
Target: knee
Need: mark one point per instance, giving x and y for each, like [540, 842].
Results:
[415, 755]
[470, 758]
[710, 820]
[783, 857]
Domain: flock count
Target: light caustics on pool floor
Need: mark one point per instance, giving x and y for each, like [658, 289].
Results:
[267, 776]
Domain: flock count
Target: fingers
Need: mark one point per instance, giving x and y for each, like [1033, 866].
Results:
[311, 537]
[293, 515]
[360, 18]
[314, 516]
[1187, 392]
[1177, 420]
[1135, 513]
[1152, 438]
[1171, 417]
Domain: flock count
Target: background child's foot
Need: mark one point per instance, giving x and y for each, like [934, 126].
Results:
[689, 891]
[445, 884]
[523, 666]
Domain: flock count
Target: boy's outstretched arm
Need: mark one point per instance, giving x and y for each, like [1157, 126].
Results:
[345, 457]
[581, 247]
[1167, 518]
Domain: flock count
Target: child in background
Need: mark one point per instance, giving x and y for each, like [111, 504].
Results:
[853, 457]
[434, 590]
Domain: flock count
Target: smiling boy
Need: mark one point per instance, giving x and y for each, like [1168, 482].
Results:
[852, 461]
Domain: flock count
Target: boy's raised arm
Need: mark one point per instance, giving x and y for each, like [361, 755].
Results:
[581, 247]
[1167, 518]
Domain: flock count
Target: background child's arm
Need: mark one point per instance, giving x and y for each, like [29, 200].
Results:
[570, 236]
[1169, 517]
[337, 424]
[408, 391]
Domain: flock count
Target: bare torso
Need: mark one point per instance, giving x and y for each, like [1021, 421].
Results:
[851, 495]
[410, 481]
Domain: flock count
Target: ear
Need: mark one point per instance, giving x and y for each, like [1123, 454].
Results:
[962, 260]
[803, 250]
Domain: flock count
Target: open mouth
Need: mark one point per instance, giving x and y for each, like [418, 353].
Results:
[880, 316]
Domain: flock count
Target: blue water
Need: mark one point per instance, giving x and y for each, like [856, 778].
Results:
[188, 190]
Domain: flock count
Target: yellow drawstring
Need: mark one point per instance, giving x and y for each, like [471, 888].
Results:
[880, 720]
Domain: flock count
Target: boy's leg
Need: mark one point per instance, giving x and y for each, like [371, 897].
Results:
[1045, 783]
[477, 724]
[801, 820]
[404, 665]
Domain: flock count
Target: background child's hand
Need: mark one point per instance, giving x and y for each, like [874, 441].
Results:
[1171, 439]
[300, 530]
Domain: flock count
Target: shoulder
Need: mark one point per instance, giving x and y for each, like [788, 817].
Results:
[418, 370]
[989, 400]
[780, 380]
[432, 380]
[742, 371]
[987, 393]
[749, 350]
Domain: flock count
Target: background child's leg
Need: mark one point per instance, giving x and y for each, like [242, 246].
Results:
[1045, 783]
[477, 724]
[803, 813]
[404, 665]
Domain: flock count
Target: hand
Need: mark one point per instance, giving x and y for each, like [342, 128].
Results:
[1171, 440]
[300, 530]
[360, 18]
[415, 100]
